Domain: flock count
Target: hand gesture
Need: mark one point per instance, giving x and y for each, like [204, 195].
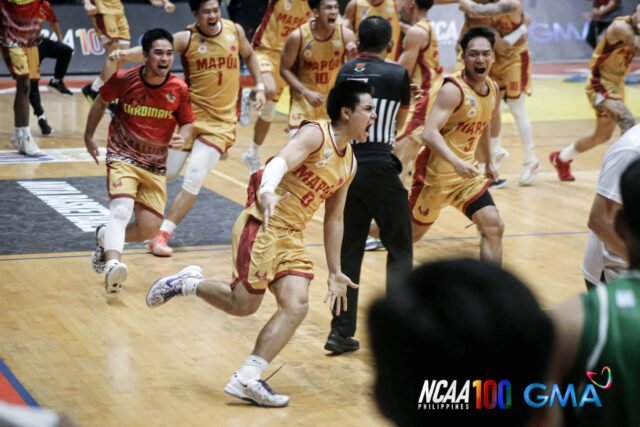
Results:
[490, 171]
[177, 141]
[259, 99]
[337, 292]
[268, 202]
[92, 148]
[91, 9]
[117, 55]
[416, 92]
[314, 98]
[465, 169]
[169, 7]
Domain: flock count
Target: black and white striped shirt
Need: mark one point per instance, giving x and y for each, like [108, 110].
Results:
[391, 90]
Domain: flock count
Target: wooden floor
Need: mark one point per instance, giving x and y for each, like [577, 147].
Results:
[122, 364]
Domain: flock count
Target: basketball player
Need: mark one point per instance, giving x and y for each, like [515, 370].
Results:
[210, 50]
[280, 19]
[512, 72]
[420, 57]
[19, 35]
[110, 23]
[312, 57]
[599, 329]
[609, 67]
[151, 102]
[268, 250]
[445, 170]
[357, 10]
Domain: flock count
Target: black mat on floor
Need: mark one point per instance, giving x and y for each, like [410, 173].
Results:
[58, 215]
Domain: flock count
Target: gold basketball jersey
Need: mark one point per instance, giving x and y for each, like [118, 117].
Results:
[280, 19]
[320, 60]
[212, 71]
[464, 127]
[427, 68]
[610, 62]
[310, 183]
[504, 26]
[386, 9]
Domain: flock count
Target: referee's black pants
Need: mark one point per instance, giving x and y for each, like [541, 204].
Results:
[375, 193]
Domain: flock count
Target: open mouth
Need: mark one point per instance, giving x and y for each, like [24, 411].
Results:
[332, 20]
[163, 67]
[480, 70]
[212, 24]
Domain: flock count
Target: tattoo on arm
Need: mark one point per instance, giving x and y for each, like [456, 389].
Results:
[626, 122]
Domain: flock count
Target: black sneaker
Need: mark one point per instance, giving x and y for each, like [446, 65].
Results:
[112, 109]
[44, 126]
[89, 93]
[337, 344]
[498, 183]
[60, 87]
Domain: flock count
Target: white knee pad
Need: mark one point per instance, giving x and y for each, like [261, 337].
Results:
[120, 211]
[175, 161]
[268, 112]
[203, 160]
[292, 133]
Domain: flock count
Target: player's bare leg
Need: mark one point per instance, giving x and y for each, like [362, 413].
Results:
[491, 229]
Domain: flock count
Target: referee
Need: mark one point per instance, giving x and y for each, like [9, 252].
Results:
[376, 191]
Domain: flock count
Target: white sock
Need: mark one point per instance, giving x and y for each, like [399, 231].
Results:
[111, 262]
[253, 368]
[167, 226]
[568, 153]
[97, 84]
[42, 117]
[22, 132]
[254, 147]
[191, 286]
[524, 127]
[495, 144]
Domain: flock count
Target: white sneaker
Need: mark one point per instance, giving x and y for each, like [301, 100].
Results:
[115, 277]
[98, 259]
[499, 156]
[529, 173]
[16, 143]
[251, 158]
[30, 148]
[373, 244]
[257, 392]
[168, 287]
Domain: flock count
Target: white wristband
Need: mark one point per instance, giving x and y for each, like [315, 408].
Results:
[272, 175]
[259, 87]
[515, 35]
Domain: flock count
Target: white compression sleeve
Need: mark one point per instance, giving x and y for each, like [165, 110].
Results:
[120, 211]
[203, 160]
[524, 126]
[515, 35]
[175, 161]
[272, 175]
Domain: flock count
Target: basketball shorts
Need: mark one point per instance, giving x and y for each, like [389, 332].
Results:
[111, 27]
[512, 73]
[22, 61]
[269, 62]
[262, 256]
[148, 189]
[419, 111]
[301, 110]
[216, 133]
[607, 89]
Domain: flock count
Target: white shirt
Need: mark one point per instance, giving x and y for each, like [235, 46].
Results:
[597, 258]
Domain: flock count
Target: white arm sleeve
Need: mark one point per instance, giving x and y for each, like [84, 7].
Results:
[515, 35]
[272, 175]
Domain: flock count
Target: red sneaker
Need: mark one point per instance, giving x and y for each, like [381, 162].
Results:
[563, 168]
[159, 245]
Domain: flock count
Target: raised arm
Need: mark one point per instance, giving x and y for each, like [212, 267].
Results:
[500, 7]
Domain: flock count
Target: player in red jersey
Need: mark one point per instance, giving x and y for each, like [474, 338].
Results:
[151, 101]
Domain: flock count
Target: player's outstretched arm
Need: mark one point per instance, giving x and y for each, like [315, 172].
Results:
[93, 120]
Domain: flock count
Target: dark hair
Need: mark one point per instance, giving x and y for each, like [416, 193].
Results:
[458, 320]
[314, 4]
[630, 192]
[155, 34]
[345, 94]
[374, 34]
[424, 4]
[195, 4]
[474, 33]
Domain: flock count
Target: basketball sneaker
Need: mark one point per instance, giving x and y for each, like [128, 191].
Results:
[563, 168]
[45, 129]
[499, 156]
[89, 93]
[168, 287]
[498, 183]
[373, 244]
[28, 147]
[529, 173]
[159, 245]
[251, 158]
[98, 259]
[60, 86]
[114, 278]
[257, 392]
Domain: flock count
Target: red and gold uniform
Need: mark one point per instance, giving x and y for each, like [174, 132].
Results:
[317, 64]
[262, 256]
[46, 13]
[386, 9]
[512, 69]
[609, 66]
[427, 75]
[20, 34]
[110, 21]
[140, 133]
[279, 20]
[212, 71]
[436, 183]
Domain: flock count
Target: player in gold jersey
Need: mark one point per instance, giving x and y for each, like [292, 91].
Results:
[312, 57]
[459, 122]
[420, 57]
[609, 67]
[317, 165]
[210, 51]
[110, 22]
[281, 18]
[357, 10]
